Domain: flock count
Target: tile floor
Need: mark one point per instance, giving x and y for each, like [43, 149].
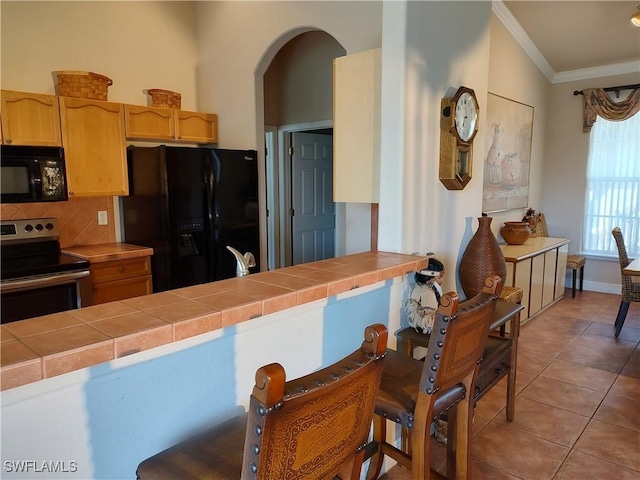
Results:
[578, 400]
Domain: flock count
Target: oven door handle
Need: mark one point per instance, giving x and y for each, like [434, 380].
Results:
[44, 281]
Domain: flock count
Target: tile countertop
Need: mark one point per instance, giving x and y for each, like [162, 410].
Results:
[55, 344]
[106, 252]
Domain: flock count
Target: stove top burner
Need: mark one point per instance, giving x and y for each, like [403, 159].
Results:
[22, 267]
[30, 248]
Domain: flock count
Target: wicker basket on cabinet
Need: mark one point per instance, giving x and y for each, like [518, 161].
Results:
[165, 98]
[90, 85]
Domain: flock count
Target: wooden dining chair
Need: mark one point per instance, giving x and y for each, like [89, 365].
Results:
[414, 393]
[630, 289]
[314, 427]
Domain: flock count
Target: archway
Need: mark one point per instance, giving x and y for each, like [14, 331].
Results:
[294, 94]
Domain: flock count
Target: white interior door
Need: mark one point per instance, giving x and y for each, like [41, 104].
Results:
[313, 221]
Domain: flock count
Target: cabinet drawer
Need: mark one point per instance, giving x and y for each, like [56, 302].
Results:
[121, 289]
[120, 269]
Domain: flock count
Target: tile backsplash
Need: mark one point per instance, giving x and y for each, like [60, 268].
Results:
[78, 218]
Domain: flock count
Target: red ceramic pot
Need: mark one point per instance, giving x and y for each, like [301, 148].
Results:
[515, 233]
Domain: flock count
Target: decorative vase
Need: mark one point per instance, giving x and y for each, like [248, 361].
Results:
[481, 258]
[515, 233]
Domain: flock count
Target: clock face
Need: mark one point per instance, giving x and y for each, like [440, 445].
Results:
[466, 116]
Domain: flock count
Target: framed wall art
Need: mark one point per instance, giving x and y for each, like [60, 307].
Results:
[507, 156]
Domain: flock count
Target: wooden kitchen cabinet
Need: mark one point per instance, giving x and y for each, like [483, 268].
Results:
[196, 127]
[149, 123]
[120, 279]
[538, 267]
[356, 127]
[152, 123]
[95, 148]
[30, 119]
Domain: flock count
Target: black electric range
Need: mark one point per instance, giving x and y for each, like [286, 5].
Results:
[36, 278]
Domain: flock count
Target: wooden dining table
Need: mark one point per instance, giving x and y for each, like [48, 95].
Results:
[633, 268]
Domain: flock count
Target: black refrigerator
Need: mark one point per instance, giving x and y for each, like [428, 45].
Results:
[188, 204]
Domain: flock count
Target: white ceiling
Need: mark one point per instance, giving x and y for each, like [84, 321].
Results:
[572, 40]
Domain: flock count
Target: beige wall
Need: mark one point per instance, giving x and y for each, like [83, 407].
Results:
[513, 75]
[564, 177]
[441, 45]
[139, 45]
[298, 85]
[154, 44]
[559, 151]
[236, 45]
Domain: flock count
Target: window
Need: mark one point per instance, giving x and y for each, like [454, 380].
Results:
[613, 187]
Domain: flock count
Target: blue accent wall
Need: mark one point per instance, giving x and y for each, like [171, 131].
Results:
[110, 417]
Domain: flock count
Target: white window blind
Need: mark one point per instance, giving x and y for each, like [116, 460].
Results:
[613, 187]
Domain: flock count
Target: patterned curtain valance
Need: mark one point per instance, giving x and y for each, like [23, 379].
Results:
[597, 102]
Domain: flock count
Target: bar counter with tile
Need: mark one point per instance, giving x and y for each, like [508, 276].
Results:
[55, 344]
[110, 385]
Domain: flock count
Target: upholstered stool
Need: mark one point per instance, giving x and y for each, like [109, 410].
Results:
[414, 393]
[511, 294]
[575, 263]
[311, 427]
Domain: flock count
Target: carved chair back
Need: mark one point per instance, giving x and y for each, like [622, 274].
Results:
[458, 337]
[415, 393]
[314, 427]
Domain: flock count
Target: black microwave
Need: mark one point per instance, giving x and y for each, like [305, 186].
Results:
[32, 174]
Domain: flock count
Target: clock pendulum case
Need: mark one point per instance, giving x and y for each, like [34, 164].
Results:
[458, 128]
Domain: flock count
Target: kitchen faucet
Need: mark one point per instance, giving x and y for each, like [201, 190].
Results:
[245, 261]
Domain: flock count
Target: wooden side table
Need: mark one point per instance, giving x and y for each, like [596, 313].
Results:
[499, 357]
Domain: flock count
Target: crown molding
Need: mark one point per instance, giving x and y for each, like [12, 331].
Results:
[511, 24]
[597, 72]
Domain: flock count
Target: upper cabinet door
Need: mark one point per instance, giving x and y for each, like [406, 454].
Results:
[149, 123]
[152, 123]
[356, 127]
[196, 127]
[30, 119]
[95, 148]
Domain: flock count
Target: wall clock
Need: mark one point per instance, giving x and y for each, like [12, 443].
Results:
[458, 128]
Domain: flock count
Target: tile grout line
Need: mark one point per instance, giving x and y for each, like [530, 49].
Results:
[590, 418]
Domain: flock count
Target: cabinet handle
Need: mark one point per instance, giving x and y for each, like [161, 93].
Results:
[179, 137]
[71, 194]
[8, 140]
